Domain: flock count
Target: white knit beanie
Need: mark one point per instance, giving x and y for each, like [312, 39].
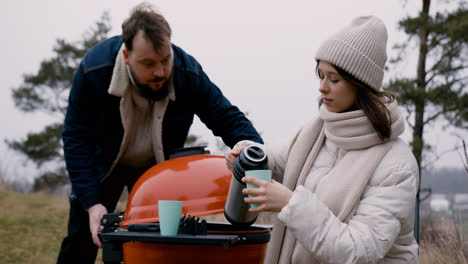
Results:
[360, 49]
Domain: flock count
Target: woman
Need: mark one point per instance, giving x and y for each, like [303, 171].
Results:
[345, 186]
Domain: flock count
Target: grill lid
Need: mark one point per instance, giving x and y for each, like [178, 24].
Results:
[201, 182]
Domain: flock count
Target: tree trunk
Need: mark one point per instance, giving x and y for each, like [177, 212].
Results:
[418, 143]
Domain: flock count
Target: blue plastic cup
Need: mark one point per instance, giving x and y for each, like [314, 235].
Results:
[259, 174]
[169, 216]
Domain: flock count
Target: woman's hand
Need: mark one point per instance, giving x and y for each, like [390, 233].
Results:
[272, 196]
[235, 151]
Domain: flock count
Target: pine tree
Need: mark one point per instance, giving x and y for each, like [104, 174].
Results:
[47, 91]
[439, 90]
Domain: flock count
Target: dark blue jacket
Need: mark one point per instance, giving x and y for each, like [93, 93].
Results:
[93, 128]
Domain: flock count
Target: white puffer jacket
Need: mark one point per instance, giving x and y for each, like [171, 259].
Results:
[380, 231]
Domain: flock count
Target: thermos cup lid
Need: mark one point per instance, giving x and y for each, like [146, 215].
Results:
[254, 154]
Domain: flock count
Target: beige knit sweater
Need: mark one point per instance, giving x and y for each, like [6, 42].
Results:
[142, 119]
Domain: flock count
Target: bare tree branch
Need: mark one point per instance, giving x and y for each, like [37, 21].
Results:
[409, 121]
[464, 157]
[439, 156]
[430, 119]
[436, 74]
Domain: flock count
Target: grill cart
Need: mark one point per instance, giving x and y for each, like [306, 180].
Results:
[202, 182]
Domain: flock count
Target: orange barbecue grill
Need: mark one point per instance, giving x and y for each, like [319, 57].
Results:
[201, 181]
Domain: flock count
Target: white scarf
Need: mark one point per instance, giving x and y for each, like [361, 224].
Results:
[343, 187]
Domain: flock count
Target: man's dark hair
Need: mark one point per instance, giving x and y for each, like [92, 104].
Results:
[154, 25]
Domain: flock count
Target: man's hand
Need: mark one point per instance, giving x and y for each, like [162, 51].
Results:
[235, 151]
[95, 214]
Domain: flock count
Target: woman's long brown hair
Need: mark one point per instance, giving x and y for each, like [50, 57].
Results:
[372, 102]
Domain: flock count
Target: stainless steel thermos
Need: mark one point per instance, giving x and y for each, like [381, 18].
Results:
[236, 210]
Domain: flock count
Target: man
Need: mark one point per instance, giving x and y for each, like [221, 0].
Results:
[132, 103]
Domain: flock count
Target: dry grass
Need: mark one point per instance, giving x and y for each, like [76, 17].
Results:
[441, 248]
[441, 244]
[32, 226]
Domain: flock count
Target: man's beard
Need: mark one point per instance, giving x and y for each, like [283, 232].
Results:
[147, 92]
[150, 94]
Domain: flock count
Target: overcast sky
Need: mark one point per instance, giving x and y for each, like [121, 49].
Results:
[260, 53]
